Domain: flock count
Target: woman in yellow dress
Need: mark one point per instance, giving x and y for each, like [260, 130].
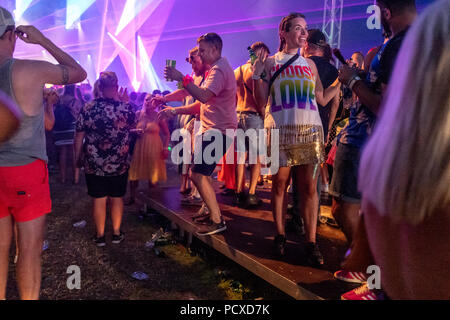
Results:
[150, 152]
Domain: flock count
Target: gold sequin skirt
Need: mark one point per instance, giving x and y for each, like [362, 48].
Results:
[298, 144]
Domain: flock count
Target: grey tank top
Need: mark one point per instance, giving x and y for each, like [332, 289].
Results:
[28, 143]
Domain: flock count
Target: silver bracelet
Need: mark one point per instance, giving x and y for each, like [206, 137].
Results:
[353, 81]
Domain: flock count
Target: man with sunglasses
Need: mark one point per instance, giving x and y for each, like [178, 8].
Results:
[24, 188]
[199, 70]
[216, 103]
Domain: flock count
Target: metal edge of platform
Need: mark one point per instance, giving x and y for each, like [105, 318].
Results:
[284, 284]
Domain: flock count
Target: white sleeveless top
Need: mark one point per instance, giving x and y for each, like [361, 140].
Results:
[292, 98]
[292, 108]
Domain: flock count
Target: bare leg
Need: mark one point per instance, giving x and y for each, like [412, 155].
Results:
[346, 215]
[206, 190]
[279, 203]
[16, 238]
[116, 214]
[240, 177]
[255, 171]
[309, 199]
[324, 174]
[99, 212]
[76, 170]
[6, 227]
[31, 234]
[184, 183]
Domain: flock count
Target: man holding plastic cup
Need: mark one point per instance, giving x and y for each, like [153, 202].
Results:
[216, 103]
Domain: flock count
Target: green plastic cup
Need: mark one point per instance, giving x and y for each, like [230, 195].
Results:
[170, 63]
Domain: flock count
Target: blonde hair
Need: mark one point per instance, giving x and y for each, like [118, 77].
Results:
[405, 167]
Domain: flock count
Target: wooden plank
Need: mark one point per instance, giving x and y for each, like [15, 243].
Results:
[248, 239]
[284, 284]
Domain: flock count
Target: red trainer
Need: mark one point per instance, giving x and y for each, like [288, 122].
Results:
[352, 277]
[361, 293]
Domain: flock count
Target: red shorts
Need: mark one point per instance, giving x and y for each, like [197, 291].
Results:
[24, 191]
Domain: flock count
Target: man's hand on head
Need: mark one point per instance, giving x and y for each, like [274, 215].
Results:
[30, 34]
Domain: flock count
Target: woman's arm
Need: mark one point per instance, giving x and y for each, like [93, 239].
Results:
[49, 117]
[261, 87]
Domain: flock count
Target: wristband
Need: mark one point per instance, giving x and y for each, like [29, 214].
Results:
[353, 81]
[186, 80]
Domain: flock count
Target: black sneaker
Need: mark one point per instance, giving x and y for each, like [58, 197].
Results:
[227, 192]
[296, 225]
[99, 241]
[116, 239]
[279, 245]
[314, 257]
[211, 228]
[252, 201]
[239, 199]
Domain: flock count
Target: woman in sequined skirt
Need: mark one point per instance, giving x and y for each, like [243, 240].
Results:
[291, 108]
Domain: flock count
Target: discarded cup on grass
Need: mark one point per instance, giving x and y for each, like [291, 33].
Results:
[80, 224]
[45, 245]
[139, 275]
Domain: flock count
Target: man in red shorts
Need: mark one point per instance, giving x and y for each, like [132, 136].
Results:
[24, 190]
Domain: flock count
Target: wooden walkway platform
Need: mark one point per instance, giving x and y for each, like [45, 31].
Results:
[248, 241]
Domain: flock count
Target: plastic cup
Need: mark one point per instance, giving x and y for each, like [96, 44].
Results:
[139, 275]
[80, 224]
[170, 63]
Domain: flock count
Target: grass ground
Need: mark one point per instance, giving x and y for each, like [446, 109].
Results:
[106, 272]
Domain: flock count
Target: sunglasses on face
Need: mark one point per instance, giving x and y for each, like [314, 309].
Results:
[190, 59]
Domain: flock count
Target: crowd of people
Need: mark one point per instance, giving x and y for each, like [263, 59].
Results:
[374, 135]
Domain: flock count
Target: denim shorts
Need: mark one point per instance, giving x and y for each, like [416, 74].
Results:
[344, 184]
[248, 121]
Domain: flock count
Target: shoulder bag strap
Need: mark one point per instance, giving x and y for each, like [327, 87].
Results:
[283, 67]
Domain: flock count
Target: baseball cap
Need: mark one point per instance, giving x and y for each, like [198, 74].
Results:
[6, 20]
[315, 36]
